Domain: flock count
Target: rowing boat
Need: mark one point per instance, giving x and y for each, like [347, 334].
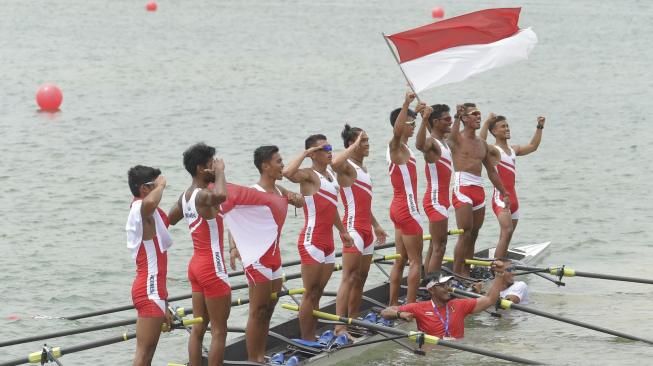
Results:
[283, 337]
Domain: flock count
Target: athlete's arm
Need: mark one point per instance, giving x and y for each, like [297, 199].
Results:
[339, 163]
[455, 128]
[294, 198]
[421, 141]
[535, 141]
[492, 295]
[381, 235]
[176, 213]
[214, 197]
[400, 122]
[491, 172]
[347, 241]
[513, 298]
[152, 200]
[392, 312]
[486, 126]
[292, 171]
[233, 251]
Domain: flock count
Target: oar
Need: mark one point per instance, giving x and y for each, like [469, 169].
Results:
[413, 335]
[57, 352]
[507, 304]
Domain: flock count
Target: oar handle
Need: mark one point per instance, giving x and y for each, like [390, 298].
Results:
[475, 262]
[449, 232]
[184, 323]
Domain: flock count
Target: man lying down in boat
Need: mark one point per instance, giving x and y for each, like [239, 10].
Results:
[443, 316]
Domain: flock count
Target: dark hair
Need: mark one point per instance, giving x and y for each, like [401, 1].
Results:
[312, 139]
[468, 104]
[394, 114]
[139, 175]
[198, 154]
[349, 134]
[263, 154]
[496, 120]
[438, 111]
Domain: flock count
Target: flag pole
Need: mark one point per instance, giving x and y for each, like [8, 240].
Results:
[399, 64]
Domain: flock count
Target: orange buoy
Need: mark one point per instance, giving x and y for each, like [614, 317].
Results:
[437, 12]
[151, 6]
[49, 98]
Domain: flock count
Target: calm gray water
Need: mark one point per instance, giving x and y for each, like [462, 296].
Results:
[140, 87]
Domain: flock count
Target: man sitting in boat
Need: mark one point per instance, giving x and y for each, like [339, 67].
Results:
[443, 316]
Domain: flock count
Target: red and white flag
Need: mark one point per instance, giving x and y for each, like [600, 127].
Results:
[452, 50]
[255, 220]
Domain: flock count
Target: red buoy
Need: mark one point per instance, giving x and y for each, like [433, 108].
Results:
[49, 98]
[437, 13]
[151, 6]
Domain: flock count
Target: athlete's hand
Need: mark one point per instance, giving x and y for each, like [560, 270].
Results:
[506, 201]
[218, 165]
[406, 316]
[233, 254]
[357, 143]
[160, 181]
[347, 241]
[460, 111]
[381, 235]
[541, 120]
[498, 266]
[313, 149]
[168, 321]
[426, 112]
[491, 117]
[420, 107]
[478, 287]
[410, 96]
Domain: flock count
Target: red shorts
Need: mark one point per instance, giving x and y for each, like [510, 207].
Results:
[406, 223]
[317, 253]
[267, 268]
[498, 205]
[469, 195]
[363, 241]
[204, 278]
[436, 213]
[148, 308]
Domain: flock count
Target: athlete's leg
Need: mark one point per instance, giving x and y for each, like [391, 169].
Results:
[429, 252]
[413, 245]
[397, 273]
[505, 235]
[197, 331]
[464, 220]
[218, 308]
[313, 278]
[148, 331]
[438, 232]
[258, 321]
[356, 294]
[478, 218]
[350, 268]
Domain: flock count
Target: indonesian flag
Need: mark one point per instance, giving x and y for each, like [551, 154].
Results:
[255, 220]
[452, 50]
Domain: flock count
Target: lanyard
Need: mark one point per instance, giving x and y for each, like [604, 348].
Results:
[445, 324]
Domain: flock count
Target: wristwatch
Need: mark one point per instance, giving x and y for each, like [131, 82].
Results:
[540, 127]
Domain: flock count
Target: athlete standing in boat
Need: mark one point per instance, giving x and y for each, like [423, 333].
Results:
[404, 212]
[469, 154]
[356, 193]
[149, 240]
[506, 168]
[264, 275]
[319, 187]
[207, 272]
[438, 168]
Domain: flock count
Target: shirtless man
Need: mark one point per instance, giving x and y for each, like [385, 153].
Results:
[469, 153]
[319, 187]
[356, 193]
[264, 275]
[207, 272]
[404, 212]
[438, 168]
[506, 168]
[149, 240]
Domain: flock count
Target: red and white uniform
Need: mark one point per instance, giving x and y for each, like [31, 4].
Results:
[207, 271]
[507, 171]
[358, 212]
[316, 239]
[438, 176]
[268, 267]
[468, 190]
[431, 323]
[404, 212]
[149, 292]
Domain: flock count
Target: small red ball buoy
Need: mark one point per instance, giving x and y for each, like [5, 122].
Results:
[13, 317]
[437, 13]
[49, 98]
[151, 6]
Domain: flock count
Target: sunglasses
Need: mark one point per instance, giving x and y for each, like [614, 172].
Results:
[150, 183]
[327, 148]
[475, 113]
[411, 123]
